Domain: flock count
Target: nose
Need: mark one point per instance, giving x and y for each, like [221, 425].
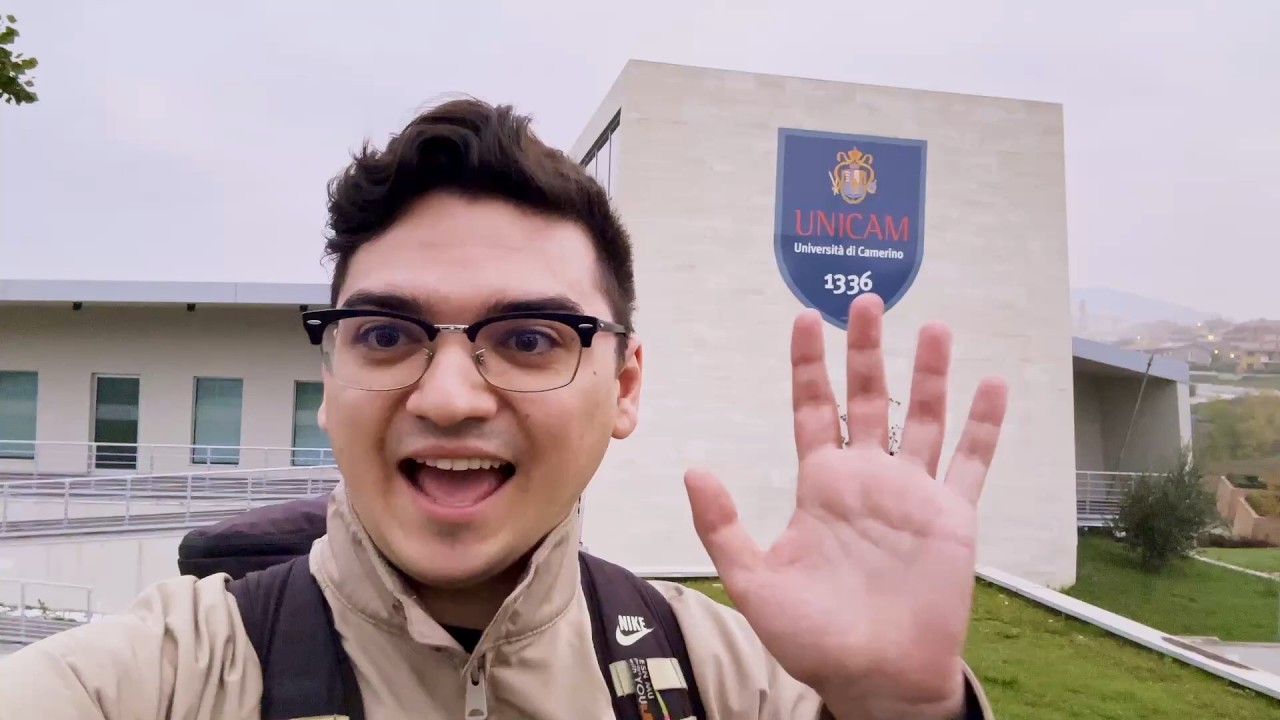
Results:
[452, 391]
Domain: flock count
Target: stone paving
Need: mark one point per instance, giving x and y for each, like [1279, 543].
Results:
[1264, 656]
[1260, 656]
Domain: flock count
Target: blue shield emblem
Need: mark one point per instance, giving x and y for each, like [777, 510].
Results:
[849, 218]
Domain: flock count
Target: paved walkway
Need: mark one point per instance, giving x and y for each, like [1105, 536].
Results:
[1263, 656]
[1237, 568]
[1260, 655]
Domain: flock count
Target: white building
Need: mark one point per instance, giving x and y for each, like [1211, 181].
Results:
[120, 377]
[733, 185]
[692, 157]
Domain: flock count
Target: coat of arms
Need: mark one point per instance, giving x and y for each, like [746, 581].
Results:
[853, 177]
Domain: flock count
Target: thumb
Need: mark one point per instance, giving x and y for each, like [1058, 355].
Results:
[715, 518]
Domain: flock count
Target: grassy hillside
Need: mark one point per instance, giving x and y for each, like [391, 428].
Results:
[1037, 664]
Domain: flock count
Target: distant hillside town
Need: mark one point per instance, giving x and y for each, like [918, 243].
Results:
[1216, 345]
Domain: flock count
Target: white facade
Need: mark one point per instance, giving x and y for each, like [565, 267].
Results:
[82, 340]
[692, 166]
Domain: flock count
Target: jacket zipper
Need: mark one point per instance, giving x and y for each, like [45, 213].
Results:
[477, 693]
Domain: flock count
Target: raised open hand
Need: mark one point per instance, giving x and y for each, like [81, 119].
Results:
[866, 594]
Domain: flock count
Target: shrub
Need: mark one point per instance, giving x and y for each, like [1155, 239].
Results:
[1266, 504]
[1227, 540]
[1160, 516]
[1246, 482]
[1240, 428]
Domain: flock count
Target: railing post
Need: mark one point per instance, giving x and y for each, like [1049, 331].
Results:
[128, 497]
[187, 516]
[22, 609]
[66, 502]
[4, 506]
[88, 604]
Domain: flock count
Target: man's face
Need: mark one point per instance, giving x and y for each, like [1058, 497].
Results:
[452, 261]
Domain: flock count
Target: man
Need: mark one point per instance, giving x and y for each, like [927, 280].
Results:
[478, 361]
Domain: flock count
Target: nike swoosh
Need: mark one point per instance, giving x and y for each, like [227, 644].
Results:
[626, 639]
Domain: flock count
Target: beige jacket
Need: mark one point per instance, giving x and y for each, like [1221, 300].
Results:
[180, 651]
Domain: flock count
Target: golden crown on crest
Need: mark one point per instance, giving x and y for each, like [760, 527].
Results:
[853, 177]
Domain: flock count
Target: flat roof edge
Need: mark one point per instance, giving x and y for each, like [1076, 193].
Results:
[1133, 360]
[162, 292]
[661, 65]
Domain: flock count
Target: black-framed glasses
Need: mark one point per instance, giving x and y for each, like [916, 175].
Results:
[531, 351]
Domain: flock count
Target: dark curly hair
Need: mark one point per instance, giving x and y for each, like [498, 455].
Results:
[474, 149]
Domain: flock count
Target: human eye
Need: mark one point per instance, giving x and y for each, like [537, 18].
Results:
[530, 339]
[381, 335]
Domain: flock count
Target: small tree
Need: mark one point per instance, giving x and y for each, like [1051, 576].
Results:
[1161, 515]
[14, 88]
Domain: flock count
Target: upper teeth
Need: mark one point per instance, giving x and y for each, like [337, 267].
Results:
[463, 463]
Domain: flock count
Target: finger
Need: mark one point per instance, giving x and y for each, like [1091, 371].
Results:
[817, 420]
[715, 519]
[968, 470]
[926, 424]
[868, 395]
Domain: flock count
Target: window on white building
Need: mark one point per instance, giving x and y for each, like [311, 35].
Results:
[310, 443]
[215, 434]
[115, 421]
[600, 159]
[17, 415]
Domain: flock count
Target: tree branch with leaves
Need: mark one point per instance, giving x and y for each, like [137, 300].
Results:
[15, 87]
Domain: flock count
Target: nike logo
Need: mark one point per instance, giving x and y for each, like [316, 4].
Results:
[630, 629]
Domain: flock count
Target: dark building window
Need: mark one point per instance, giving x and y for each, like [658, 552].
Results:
[601, 159]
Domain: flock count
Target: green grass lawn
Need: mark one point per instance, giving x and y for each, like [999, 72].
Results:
[1188, 598]
[1037, 664]
[1265, 560]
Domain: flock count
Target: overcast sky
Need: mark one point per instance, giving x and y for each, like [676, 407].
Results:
[172, 142]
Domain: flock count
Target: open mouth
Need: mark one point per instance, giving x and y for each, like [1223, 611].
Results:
[457, 482]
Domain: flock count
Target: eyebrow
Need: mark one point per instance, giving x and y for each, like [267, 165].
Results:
[395, 302]
[549, 303]
[392, 302]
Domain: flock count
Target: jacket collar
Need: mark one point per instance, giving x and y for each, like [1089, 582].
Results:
[365, 582]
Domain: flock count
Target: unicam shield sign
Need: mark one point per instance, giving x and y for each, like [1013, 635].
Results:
[849, 217]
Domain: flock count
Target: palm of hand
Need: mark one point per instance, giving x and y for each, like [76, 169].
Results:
[866, 594]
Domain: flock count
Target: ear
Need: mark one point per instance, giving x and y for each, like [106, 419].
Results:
[626, 414]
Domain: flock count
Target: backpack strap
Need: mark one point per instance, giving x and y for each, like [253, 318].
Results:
[639, 645]
[305, 673]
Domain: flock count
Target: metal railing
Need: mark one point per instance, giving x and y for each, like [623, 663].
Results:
[43, 458]
[1098, 495]
[128, 503]
[30, 619]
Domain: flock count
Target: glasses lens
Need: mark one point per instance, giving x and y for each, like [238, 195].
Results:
[528, 355]
[375, 353]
